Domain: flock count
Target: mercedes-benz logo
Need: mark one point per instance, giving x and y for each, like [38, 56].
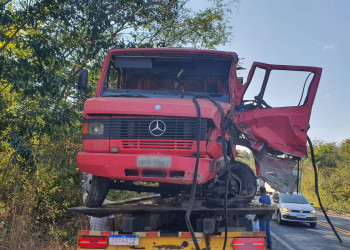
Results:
[157, 128]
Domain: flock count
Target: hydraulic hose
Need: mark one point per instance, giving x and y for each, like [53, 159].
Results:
[316, 190]
[195, 174]
[224, 151]
[194, 181]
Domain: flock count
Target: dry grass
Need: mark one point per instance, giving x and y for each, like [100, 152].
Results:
[20, 229]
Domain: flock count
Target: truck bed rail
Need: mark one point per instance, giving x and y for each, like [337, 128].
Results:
[158, 205]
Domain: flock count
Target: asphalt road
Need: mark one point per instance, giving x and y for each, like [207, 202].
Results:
[295, 235]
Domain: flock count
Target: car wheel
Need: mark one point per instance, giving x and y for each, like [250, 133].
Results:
[98, 191]
[313, 224]
[279, 218]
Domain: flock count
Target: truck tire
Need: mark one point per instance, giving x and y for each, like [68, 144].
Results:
[98, 191]
[236, 197]
[86, 184]
[313, 224]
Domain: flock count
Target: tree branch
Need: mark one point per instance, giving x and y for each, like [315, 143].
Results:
[11, 38]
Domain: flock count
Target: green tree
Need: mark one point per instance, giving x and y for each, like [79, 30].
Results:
[43, 46]
[333, 175]
[344, 151]
[326, 155]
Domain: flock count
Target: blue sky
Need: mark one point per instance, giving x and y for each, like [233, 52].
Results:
[308, 33]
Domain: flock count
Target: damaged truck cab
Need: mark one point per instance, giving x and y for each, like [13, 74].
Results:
[157, 114]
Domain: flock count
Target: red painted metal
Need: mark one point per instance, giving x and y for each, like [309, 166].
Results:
[96, 145]
[176, 147]
[114, 166]
[285, 128]
[146, 106]
[132, 146]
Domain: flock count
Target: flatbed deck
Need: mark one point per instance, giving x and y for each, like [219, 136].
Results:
[154, 222]
[158, 205]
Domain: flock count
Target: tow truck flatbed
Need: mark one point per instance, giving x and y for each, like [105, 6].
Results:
[165, 226]
[157, 205]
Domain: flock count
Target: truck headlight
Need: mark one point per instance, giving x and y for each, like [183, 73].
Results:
[313, 211]
[285, 210]
[95, 128]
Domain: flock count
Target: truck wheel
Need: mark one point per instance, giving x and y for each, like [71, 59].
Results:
[313, 224]
[242, 186]
[98, 191]
[279, 218]
[86, 184]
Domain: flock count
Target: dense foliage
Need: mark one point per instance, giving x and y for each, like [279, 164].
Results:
[333, 162]
[43, 46]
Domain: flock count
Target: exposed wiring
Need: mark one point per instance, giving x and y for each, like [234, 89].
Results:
[316, 190]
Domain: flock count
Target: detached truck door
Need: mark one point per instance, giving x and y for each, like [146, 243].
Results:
[273, 108]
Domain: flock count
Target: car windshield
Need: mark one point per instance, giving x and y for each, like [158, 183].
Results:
[168, 76]
[299, 199]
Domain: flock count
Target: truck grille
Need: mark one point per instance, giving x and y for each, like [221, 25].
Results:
[152, 144]
[139, 128]
[176, 129]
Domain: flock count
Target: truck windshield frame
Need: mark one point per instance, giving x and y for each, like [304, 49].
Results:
[162, 76]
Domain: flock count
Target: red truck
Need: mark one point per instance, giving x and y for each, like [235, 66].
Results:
[173, 118]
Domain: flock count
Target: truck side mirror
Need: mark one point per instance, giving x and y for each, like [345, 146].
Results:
[311, 203]
[83, 79]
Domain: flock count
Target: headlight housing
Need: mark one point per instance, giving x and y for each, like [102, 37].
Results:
[313, 211]
[93, 128]
[96, 128]
[286, 210]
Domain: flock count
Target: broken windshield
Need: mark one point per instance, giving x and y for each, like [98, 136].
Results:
[168, 76]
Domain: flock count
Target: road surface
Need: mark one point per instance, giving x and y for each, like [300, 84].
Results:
[300, 236]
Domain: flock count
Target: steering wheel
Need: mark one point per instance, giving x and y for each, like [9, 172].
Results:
[193, 84]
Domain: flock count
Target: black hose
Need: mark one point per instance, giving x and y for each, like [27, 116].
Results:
[224, 150]
[194, 181]
[316, 190]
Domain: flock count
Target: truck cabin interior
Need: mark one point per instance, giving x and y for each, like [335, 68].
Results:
[162, 74]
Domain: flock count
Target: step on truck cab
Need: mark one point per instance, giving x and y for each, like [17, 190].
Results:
[165, 116]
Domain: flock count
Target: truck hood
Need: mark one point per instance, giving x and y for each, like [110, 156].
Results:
[153, 106]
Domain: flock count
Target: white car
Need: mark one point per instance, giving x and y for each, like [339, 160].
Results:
[294, 207]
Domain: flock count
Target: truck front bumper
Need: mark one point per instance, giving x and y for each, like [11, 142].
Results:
[160, 168]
